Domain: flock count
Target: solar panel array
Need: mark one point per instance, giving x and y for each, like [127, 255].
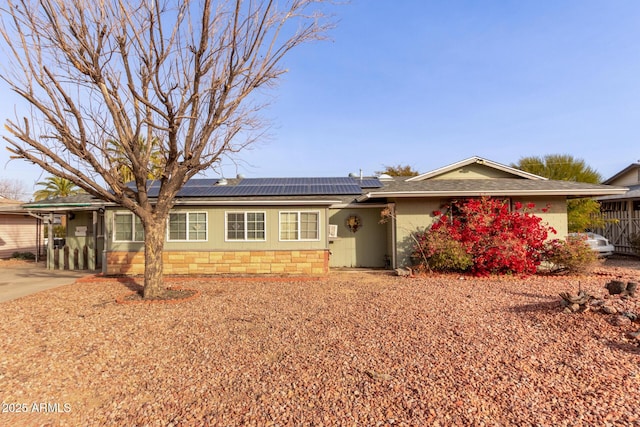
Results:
[369, 183]
[249, 187]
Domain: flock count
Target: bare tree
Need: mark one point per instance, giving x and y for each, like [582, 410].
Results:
[13, 189]
[184, 73]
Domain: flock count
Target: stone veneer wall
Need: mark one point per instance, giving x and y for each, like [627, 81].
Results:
[307, 262]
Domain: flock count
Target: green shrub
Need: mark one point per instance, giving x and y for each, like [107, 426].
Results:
[437, 250]
[572, 255]
[23, 255]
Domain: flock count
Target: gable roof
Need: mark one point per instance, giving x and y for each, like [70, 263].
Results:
[630, 168]
[516, 173]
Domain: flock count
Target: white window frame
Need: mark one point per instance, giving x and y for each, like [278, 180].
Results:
[133, 226]
[246, 230]
[188, 218]
[299, 229]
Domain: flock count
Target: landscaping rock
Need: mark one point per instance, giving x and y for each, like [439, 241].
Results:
[346, 349]
[620, 320]
[404, 272]
[615, 287]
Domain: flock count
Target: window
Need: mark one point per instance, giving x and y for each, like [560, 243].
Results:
[127, 227]
[245, 225]
[188, 226]
[299, 225]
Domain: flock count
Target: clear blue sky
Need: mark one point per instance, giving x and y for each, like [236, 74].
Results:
[427, 83]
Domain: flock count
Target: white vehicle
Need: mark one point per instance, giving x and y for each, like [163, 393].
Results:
[596, 242]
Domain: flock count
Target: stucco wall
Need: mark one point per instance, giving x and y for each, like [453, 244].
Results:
[217, 255]
[631, 177]
[417, 214]
[555, 215]
[411, 215]
[216, 231]
[474, 171]
[366, 247]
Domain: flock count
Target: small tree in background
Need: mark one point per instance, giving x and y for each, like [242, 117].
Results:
[13, 189]
[582, 214]
[398, 170]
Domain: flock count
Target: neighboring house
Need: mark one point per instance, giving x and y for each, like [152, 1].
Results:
[622, 212]
[302, 225]
[19, 231]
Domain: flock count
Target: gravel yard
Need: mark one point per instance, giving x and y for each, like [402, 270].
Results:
[349, 349]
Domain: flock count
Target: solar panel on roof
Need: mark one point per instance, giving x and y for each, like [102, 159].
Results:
[248, 187]
[369, 183]
[295, 181]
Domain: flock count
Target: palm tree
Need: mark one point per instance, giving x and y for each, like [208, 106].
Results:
[118, 156]
[54, 186]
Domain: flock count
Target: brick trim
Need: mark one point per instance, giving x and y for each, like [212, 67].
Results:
[285, 262]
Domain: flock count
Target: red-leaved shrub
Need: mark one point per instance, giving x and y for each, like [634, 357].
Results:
[499, 239]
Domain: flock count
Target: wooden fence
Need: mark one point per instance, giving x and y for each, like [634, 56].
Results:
[619, 227]
[71, 259]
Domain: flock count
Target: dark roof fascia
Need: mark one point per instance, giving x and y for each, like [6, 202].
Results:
[632, 194]
[77, 202]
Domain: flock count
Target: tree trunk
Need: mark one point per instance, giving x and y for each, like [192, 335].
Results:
[154, 237]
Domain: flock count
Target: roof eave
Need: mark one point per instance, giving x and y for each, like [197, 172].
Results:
[272, 202]
[407, 194]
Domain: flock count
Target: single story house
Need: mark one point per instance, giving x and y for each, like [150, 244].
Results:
[301, 225]
[19, 231]
[622, 211]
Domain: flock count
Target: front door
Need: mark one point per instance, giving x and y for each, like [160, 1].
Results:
[361, 240]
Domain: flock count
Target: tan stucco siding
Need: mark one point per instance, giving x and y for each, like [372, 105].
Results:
[216, 231]
[475, 171]
[417, 214]
[411, 215]
[555, 215]
[631, 177]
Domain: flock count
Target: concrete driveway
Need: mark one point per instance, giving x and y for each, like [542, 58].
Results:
[20, 279]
